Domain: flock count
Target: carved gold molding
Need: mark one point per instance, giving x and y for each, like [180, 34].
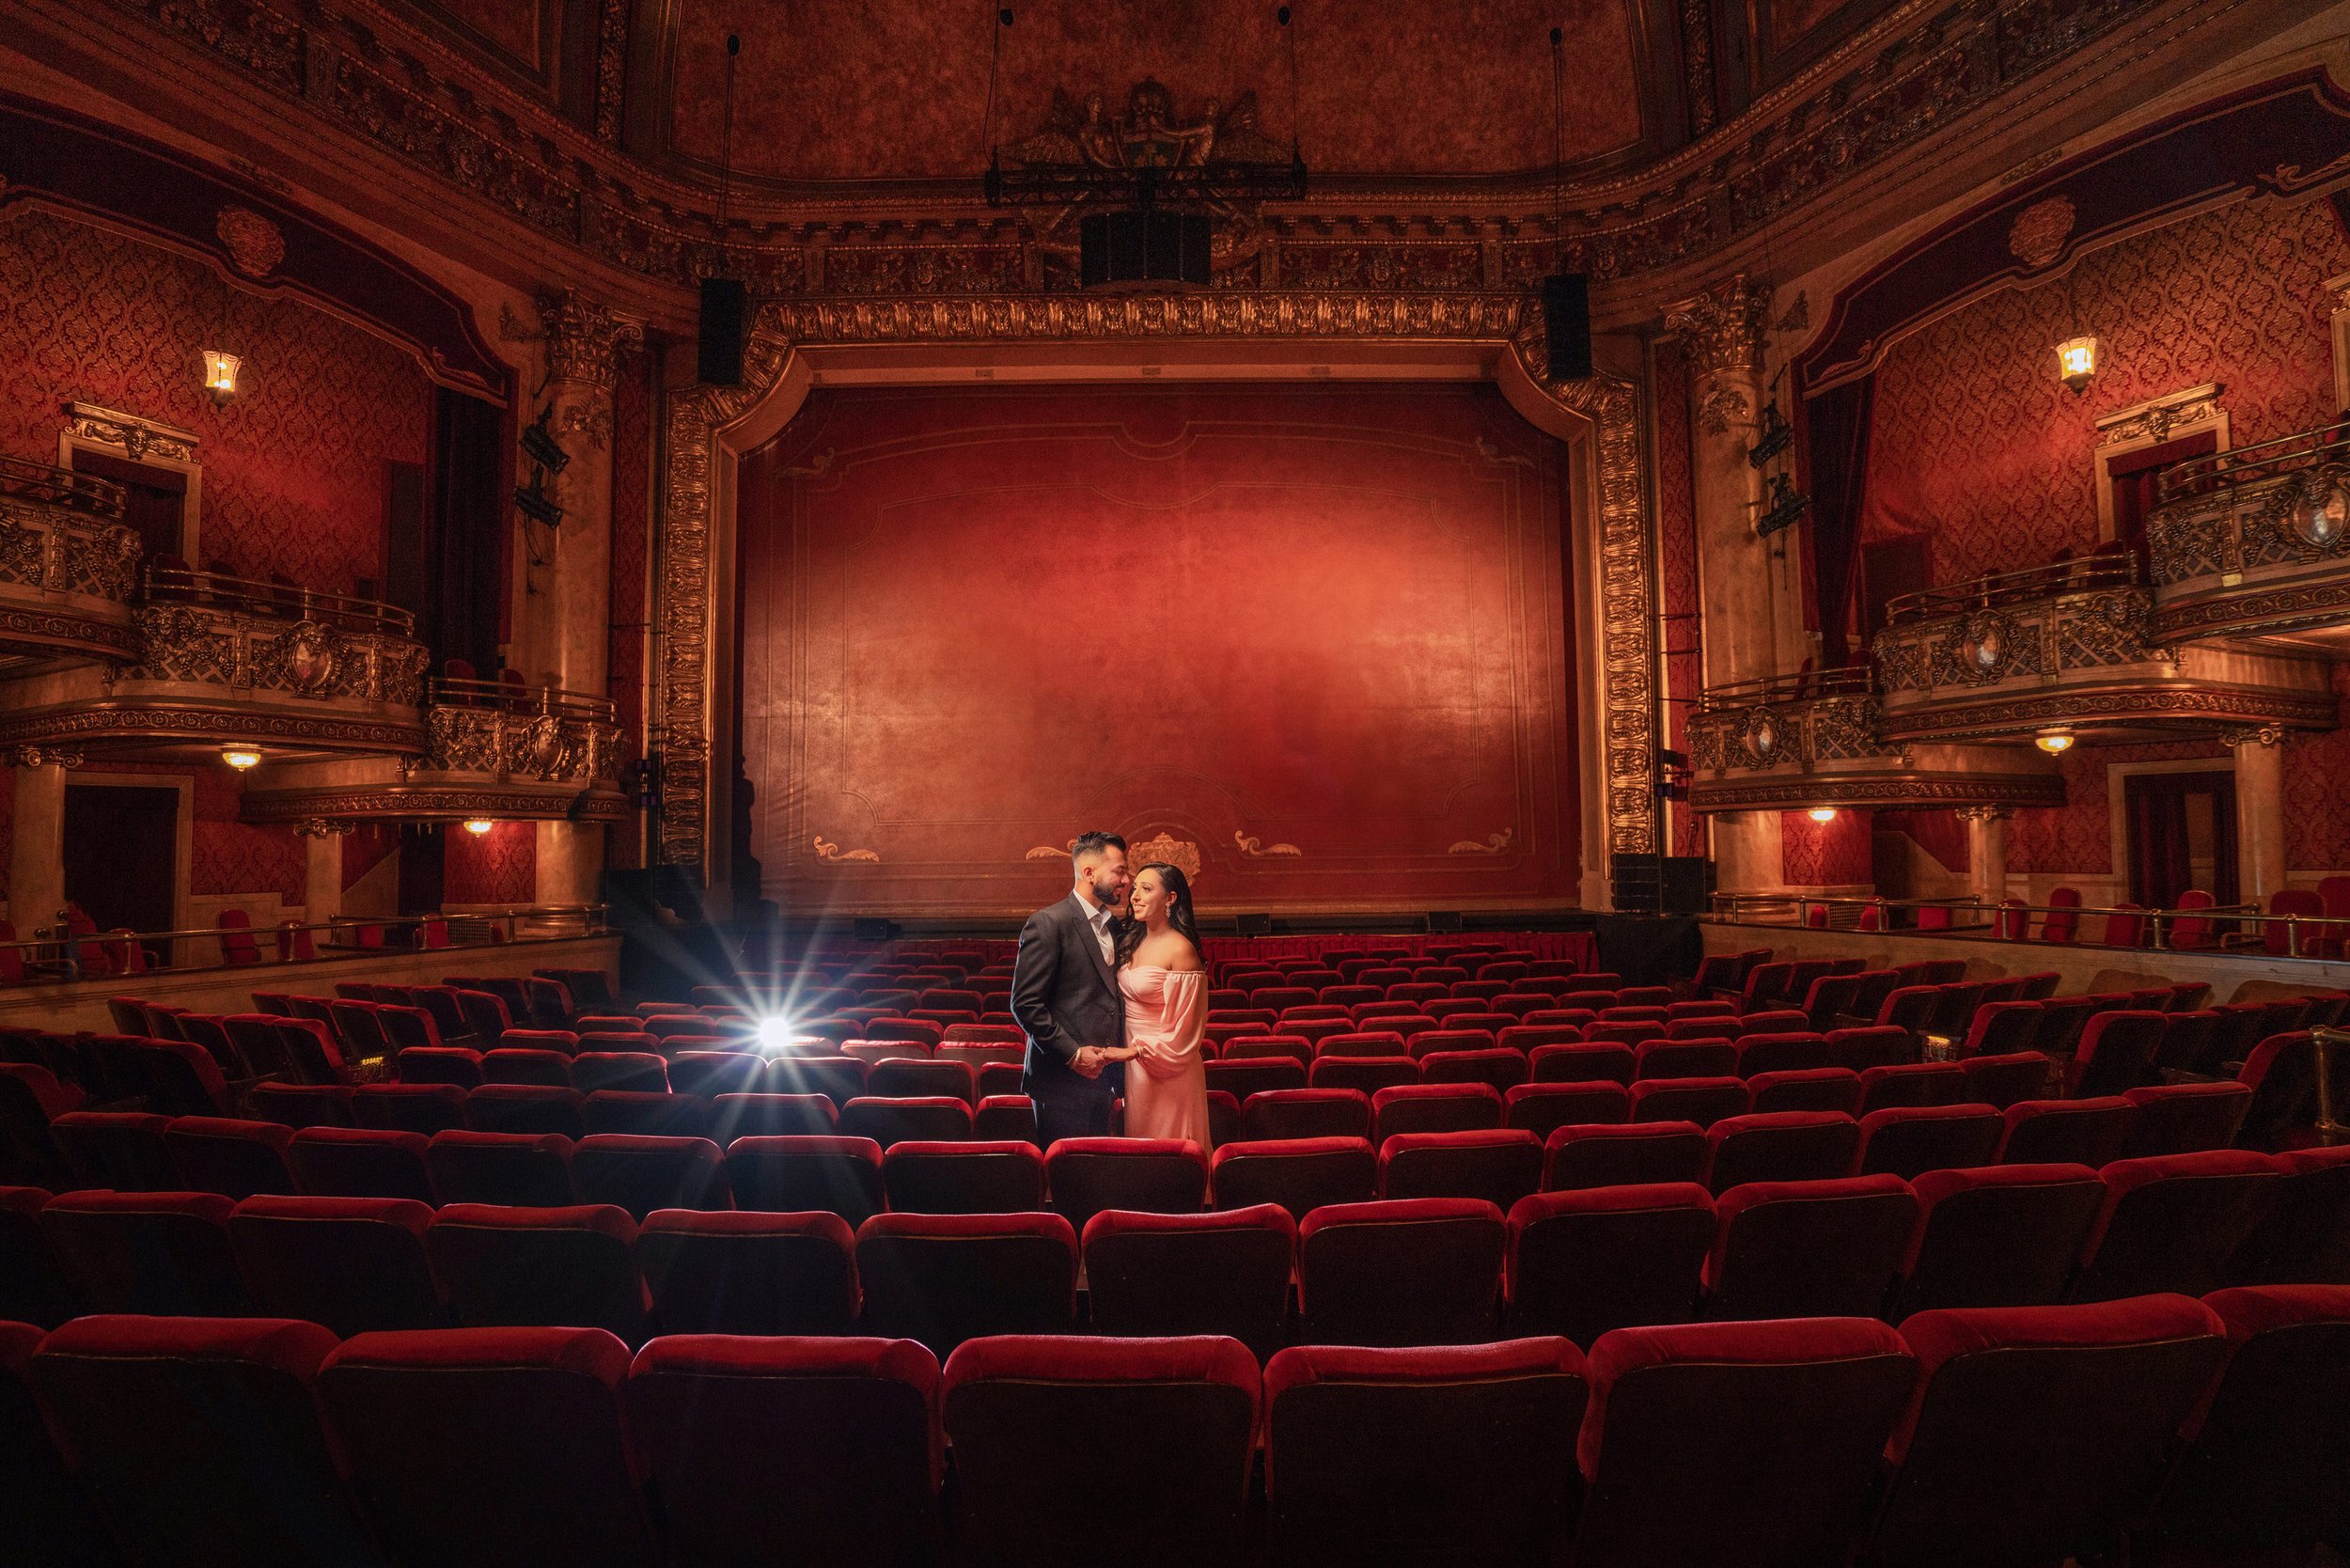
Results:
[1493, 845]
[1256, 849]
[680, 725]
[431, 802]
[1724, 326]
[833, 854]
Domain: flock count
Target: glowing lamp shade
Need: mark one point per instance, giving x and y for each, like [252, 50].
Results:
[1821, 813]
[220, 374]
[2055, 743]
[241, 758]
[479, 825]
[2077, 362]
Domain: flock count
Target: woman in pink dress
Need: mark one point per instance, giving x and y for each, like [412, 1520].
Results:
[1162, 976]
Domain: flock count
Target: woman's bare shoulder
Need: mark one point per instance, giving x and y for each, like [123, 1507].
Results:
[1172, 952]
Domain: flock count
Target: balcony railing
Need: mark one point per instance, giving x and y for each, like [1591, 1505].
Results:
[2045, 622]
[2255, 542]
[513, 733]
[23, 480]
[268, 641]
[2215, 929]
[69, 564]
[55, 953]
[1787, 721]
[2003, 589]
[170, 583]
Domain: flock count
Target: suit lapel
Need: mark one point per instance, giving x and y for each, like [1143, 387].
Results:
[1092, 944]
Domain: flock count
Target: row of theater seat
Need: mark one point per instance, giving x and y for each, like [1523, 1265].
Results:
[2161, 1427]
[1387, 1271]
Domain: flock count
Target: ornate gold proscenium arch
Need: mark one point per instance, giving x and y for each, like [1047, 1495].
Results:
[711, 427]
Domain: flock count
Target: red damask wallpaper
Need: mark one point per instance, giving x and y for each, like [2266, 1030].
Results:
[293, 468]
[1677, 562]
[1835, 852]
[498, 866]
[1941, 834]
[226, 855]
[2317, 795]
[1977, 445]
[2078, 837]
[1318, 635]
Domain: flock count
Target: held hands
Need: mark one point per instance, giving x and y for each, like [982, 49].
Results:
[1090, 1059]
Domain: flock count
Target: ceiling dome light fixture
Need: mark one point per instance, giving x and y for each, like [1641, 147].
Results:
[242, 758]
[479, 825]
[1821, 813]
[2055, 743]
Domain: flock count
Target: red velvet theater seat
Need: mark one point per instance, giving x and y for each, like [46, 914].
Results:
[564, 1267]
[299, 1105]
[1779, 1146]
[750, 1272]
[166, 1254]
[772, 1451]
[491, 1446]
[945, 1279]
[530, 1108]
[711, 1073]
[1909, 1140]
[2066, 1132]
[736, 1115]
[33, 1284]
[1735, 1442]
[118, 1151]
[1811, 1089]
[1087, 1175]
[353, 1264]
[1290, 1113]
[2185, 1118]
[1542, 1109]
[1808, 1249]
[532, 1169]
[2305, 1237]
[794, 1175]
[964, 1178]
[2039, 1433]
[236, 1159]
[1583, 1063]
[2173, 1222]
[199, 1439]
[934, 1118]
[1031, 1421]
[1423, 1271]
[1609, 1155]
[511, 1064]
[361, 1162]
[2004, 1235]
[1703, 1100]
[643, 1174]
[426, 1108]
[2115, 1054]
[1151, 1275]
[1581, 1263]
[2004, 1080]
[1498, 1165]
[2267, 1468]
[1298, 1174]
[1685, 1059]
[51, 1520]
[1446, 1456]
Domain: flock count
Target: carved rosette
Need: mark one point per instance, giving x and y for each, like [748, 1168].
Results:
[680, 728]
[1724, 326]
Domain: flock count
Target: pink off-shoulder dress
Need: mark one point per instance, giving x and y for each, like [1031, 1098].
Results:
[1166, 1085]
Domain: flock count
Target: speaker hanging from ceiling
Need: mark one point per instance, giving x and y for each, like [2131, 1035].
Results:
[1566, 297]
[718, 332]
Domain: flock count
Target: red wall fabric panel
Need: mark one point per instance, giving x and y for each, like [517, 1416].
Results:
[1833, 853]
[1316, 638]
[293, 468]
[498, 866]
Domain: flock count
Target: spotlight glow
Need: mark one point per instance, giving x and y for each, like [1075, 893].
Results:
[1823, 813]
[775, 1034]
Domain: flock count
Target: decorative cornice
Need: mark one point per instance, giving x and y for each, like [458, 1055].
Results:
[431, 802]
[2155, 419]
[1724, 326]
[41, 757]
[2207, 708]
[93, 723]
[1795, 790]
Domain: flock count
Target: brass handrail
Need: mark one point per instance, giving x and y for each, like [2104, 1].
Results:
[61, 487]
[2045, 581]
[1988, 913]
[2329, 1130]
[1849, 680]
[54, 947]
[182, 584]
[2262, 460]
[458, 692]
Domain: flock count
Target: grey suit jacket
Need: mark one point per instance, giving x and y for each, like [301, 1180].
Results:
[1064, 995]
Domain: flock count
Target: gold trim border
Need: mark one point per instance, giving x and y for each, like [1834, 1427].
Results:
[680, 727]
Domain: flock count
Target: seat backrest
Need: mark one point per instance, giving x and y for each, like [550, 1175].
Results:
[800, 1173]
[639, 1173]
[746, 1271]
[2117, 1051]
[1822, 1248]
[1160, 1175]
[1735, 1441]
[355, 1264]
[526, 1169]
[1155, 1276]
[2173, 1222]
[511, 1267]
[1631, 1154]
[1581, 1263]
[164, 1254]
[507, 1440]
[2086, 1401]
[1410, 1272]
[2005, 1235]
[944, 1278]
[2059, 1132]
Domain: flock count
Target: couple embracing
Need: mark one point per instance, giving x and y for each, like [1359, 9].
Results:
[1111, 987]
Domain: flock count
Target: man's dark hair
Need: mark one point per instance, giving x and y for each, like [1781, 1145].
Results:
[1094, 843]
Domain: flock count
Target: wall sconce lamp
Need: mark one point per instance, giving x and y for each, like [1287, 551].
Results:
[479, 825]
[220, 376]
[243, 758]
[2077, 362]
[1821, 813]
[2055, 743]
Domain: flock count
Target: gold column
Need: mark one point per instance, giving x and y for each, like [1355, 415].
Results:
[36, 839]
[1986, 850]
[2260, 812]
[323, 867]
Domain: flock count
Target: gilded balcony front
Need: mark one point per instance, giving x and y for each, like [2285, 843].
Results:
[2255, 542]
[2073, 646]
[1818, 740]
[68, 566]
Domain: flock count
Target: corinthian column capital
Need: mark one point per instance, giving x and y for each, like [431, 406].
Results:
[584, 338]
[1723, 327]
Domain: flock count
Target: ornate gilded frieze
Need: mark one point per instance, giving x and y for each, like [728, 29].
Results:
[585, 339]
[257, 656]
[2260, 549]
[682, 726]
[520, 745]
[2045, 638]
[66, 579]
[1794, 733]
[431, 802]
[1724, 327]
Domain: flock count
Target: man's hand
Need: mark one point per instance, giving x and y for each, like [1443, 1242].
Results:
[1087, 1063]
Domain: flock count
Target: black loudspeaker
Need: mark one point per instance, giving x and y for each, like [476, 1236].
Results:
[719, 363]
[1253, 925]
[1444, 919]
[1567, 324]
[871, 929]
[1133, 250]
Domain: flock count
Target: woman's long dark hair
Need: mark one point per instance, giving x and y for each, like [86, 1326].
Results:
[1178, 886]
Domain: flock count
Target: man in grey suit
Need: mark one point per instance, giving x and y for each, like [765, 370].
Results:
[1065, 994]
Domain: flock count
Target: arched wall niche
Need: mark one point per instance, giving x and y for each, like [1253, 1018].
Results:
[796, 347]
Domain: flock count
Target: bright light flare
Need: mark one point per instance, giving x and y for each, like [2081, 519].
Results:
[775, 1034]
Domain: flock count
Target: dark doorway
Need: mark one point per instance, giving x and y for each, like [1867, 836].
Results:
[155, 500]
[2182, 835]
[2133, 475]
[121, 849]
[421, 869]
[1890, 569]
